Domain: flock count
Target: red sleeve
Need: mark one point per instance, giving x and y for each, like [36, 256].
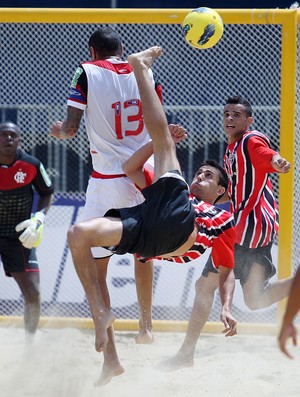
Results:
[149, 175]
[158, 89]
[223, 249]
[261, 154]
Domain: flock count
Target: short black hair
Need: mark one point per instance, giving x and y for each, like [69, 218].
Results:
[10, 126]
[240, 100]
[106, 41]
[223, 178]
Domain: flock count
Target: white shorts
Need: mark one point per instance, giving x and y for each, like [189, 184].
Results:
[104, 194]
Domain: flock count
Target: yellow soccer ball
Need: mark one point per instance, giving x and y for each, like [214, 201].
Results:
[203, 28]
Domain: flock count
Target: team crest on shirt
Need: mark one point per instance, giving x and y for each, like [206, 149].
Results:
[20, 177]
[231, 158]
[212, 211]
[208, 209]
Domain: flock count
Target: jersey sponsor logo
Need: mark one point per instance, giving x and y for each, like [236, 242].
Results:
[206, 207]
[76, 77]
[133, 102]
[74, 92]
[212, 211]
[118, 108]
[45, 175]
[20, 177]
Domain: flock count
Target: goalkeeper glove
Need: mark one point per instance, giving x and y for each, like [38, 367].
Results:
[32, 235]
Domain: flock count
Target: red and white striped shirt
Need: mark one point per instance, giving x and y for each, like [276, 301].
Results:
[248, 164]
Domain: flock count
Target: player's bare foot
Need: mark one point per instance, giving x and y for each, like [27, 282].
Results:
[108, 372]
[145, 337]
[175, 363]
[145, 58]
[101, 326]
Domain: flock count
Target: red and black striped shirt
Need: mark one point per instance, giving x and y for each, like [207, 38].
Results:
[215, 230]
[248, 165]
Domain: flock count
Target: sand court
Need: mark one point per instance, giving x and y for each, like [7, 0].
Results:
[63, 363]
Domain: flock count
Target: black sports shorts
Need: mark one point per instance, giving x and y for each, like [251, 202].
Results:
[244, 258]
[162, 223]
[16, 258]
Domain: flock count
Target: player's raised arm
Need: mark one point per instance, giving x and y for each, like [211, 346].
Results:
[134, 166]
[69, 127]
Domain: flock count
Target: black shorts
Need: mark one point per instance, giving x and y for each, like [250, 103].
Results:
[162, 223]
[16, 258]
[244, 258]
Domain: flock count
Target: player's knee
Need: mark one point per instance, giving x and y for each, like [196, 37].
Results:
[75, 236]
[252, 302]
[206, 284]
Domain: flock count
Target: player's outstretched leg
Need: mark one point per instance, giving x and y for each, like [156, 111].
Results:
[153, 112]
[165, 158]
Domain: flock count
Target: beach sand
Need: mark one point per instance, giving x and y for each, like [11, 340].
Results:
[63, 363]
